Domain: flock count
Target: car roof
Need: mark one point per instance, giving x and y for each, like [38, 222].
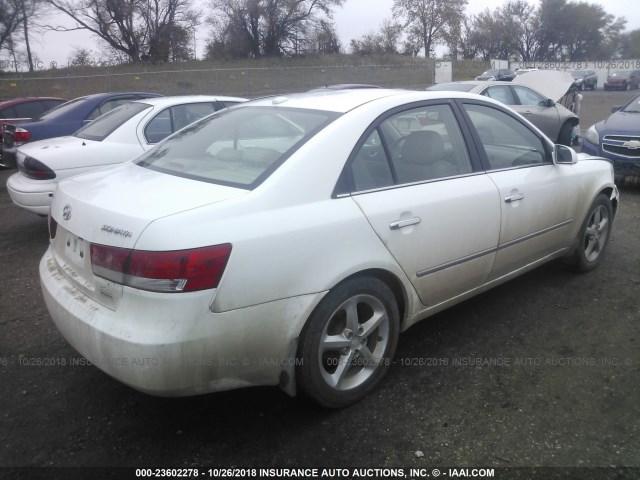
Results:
[98, 96]
[471, 83]
[16, 101]
[181, 99]
[342, 101]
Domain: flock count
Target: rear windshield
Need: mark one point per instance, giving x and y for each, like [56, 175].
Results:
[240, 147]
[63, 109]
[105, 124]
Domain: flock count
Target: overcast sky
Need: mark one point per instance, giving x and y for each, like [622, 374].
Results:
[354, 19]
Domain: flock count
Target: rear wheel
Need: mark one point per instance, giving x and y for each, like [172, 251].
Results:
[593, 236]
[348, 343]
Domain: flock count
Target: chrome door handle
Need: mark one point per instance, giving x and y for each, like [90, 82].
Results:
[514, 198]
[404, 223]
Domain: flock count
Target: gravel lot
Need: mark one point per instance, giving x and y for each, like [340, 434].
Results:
[542, 371]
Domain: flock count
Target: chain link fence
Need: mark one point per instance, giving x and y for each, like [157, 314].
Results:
[245, 82]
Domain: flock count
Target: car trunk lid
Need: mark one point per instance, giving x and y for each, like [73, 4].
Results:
[113, 208]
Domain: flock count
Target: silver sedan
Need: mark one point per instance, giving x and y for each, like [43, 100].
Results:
[555, 121]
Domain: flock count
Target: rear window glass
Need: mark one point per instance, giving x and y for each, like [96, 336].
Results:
[451, 87]
[64, 108]
[239, 147]
[104, 125]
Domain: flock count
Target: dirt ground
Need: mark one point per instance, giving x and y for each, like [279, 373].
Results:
[542, 371]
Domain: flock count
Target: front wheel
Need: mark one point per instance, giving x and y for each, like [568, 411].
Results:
[348, 342]
[593, 236]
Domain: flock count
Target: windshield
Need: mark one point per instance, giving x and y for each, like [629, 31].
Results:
[491, 72]
[633, 106]
[240, 147]
[105, 125]
[578, 73]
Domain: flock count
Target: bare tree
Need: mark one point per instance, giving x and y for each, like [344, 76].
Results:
[385, 41]
[266, 27]
[136, 28]
[428, 21]
[10, 20]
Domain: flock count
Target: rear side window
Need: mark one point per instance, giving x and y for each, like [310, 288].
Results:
[422, 144]
[529, 97]
[29, 109]
[500, 93]
[174, 118]
[239, 147]
[507, 143]
[102, 127]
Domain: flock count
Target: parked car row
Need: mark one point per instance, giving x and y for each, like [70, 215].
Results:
[289, 240]
[23, 109]
[623, 80]
[583, 78]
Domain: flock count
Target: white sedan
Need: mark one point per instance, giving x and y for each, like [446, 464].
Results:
[288, 241]
[121, 134]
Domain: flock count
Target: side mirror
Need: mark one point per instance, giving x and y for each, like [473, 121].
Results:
[616, 108]
[564, 155]
[549, 103]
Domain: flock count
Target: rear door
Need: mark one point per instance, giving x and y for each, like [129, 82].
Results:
[414, 179]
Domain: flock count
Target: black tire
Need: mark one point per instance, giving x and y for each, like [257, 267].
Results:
[593, 237]
[357, 357]
[564, 137]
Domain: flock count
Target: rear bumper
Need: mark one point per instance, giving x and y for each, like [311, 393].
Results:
[615, 86]
[172, 344]
[32, 195]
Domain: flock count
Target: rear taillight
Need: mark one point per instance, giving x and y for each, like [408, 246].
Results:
[173, 271]
[20, 135]
[53, 227]
[35, 169]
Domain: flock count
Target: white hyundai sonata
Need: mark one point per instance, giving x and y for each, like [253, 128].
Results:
[115, 137]
[289, 240]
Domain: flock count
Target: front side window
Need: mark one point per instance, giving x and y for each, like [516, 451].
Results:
[239, 147]
[507, 142]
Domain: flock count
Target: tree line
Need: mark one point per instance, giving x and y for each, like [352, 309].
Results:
[164, 30]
